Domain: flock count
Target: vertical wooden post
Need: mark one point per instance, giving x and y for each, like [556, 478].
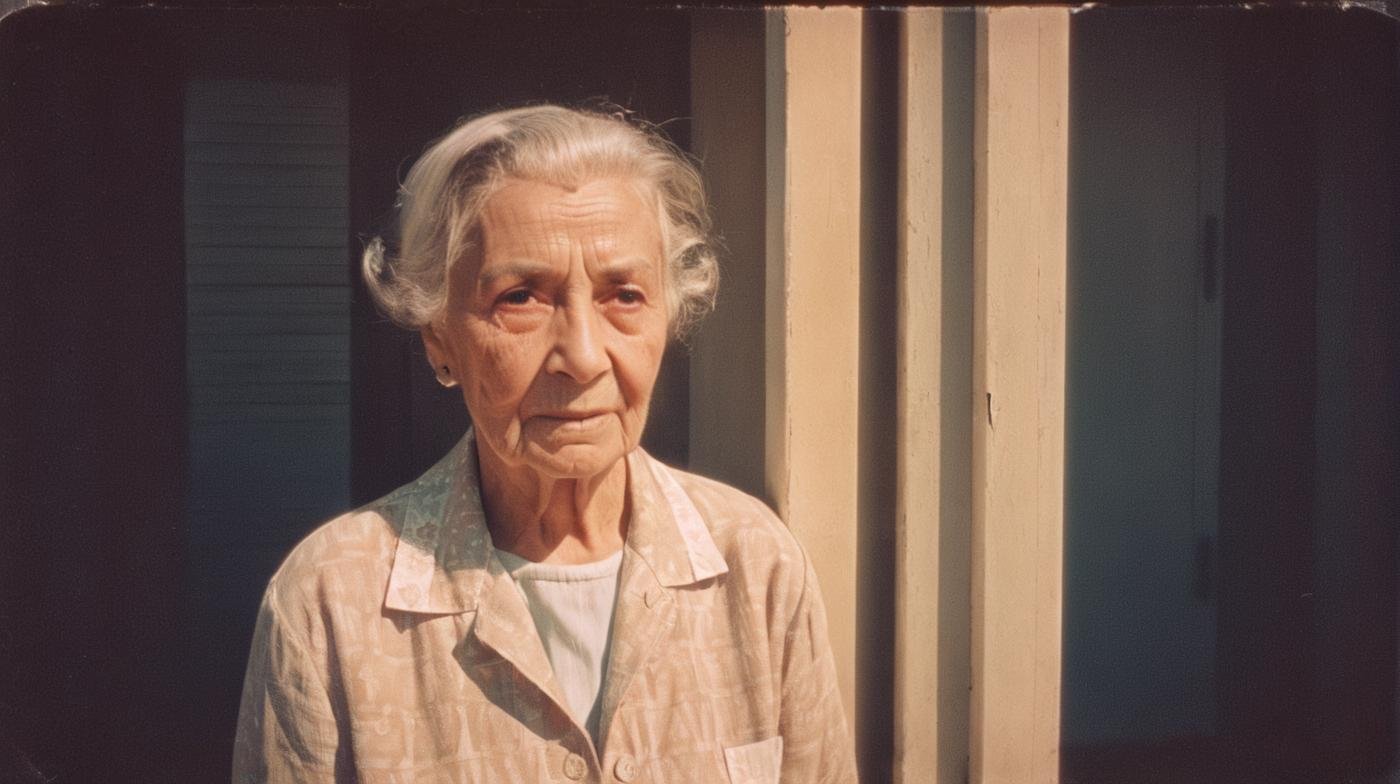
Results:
[774, 407]
[918, 734]
[813, 299]
[1021, 152]
[933, 530]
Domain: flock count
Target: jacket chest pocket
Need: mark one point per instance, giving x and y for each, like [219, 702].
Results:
[755, 763]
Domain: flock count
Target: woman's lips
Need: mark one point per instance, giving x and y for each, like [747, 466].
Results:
[574, 422]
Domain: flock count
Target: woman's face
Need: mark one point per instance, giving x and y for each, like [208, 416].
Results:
[556, 328]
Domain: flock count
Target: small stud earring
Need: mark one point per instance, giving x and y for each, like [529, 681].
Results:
[445, 377]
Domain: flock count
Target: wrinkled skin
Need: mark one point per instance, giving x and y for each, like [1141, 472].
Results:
[555, 331]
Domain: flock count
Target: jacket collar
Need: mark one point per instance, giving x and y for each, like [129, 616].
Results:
[444, 560]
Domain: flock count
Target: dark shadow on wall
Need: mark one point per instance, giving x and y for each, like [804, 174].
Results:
[1233, 435]
[125, 617]
[880, 110]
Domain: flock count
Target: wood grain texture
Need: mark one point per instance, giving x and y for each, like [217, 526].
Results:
[1021, 152]
[918, 736]
[813, 291]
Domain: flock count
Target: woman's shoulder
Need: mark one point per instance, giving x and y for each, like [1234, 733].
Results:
[723, 504]
[358, 547]
[745, 530]
[339, 560]
[354, 539]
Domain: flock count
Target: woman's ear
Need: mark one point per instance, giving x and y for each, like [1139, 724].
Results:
[438, 356]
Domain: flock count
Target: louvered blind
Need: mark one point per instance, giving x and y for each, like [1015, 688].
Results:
[268, 323]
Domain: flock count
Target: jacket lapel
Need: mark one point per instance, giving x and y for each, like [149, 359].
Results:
[444, 563]
[668, 547]
[504, 625]
[444, 548]
[644, 612]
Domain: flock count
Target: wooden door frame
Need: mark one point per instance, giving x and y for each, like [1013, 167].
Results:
[977, 555]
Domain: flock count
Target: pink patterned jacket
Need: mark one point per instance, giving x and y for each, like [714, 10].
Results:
[392, 647]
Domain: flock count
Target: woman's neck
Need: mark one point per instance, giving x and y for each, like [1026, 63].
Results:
[548, 520]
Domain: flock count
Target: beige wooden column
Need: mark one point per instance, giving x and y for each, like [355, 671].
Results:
[933, 524]
[812, 315]
[919, 738]
[1020, 157]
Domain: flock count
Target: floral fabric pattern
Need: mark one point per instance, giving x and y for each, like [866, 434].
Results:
[392, 646]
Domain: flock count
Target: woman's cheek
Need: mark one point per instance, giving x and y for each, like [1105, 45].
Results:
[651, 348]
[489, 370]
[509, 367]
[639, 382]
[636, 422]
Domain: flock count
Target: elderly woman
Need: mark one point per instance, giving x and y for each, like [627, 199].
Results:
[548, 602]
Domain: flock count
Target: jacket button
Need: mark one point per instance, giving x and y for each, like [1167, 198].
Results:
[575, 767]
[625, 769]
[651, 597]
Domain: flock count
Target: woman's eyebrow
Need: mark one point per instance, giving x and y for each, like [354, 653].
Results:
[521, 269]
[625, 268]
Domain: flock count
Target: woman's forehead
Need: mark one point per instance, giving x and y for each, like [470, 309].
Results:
[604, 200]
[529, 217]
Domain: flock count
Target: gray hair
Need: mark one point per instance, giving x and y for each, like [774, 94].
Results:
[440, 203]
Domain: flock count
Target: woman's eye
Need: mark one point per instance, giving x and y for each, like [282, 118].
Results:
[630, 296]
[517, 297]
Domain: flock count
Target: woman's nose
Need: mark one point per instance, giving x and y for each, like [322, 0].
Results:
[578, 346]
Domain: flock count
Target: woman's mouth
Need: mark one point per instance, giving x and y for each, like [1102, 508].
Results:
[574, 421]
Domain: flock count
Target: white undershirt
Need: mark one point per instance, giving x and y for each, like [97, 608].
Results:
[572, 605]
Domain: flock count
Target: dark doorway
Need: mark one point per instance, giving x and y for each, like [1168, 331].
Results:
[194, 378]
[1233, 445]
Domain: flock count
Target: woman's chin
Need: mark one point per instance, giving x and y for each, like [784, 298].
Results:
[571, 449]
[575, 460]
